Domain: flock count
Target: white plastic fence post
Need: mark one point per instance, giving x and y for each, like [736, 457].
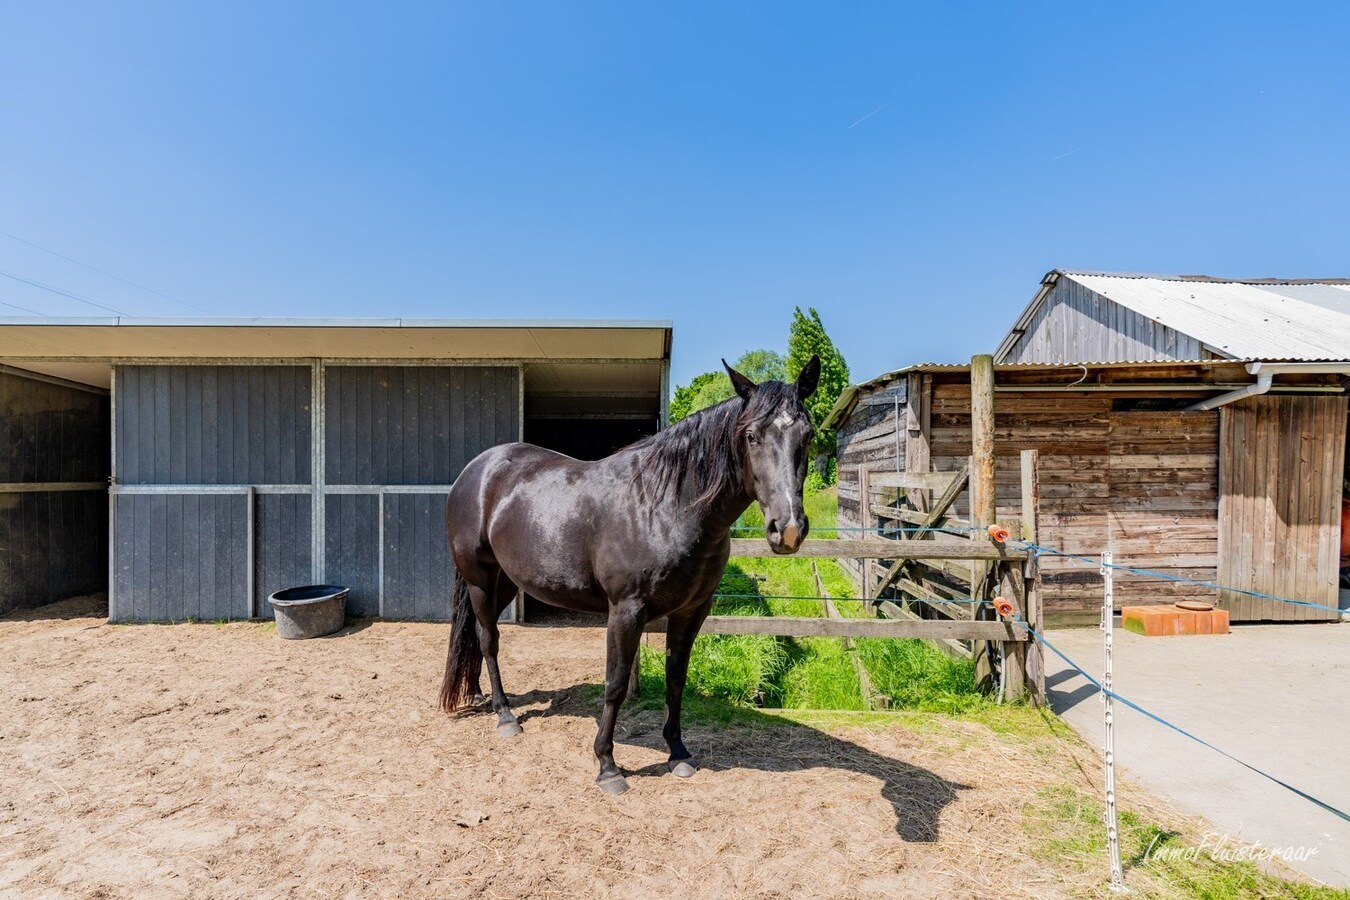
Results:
[1109, 743]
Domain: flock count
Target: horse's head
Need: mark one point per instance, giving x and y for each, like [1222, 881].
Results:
[773, 437]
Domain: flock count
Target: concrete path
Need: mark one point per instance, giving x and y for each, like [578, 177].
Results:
[1275, 696]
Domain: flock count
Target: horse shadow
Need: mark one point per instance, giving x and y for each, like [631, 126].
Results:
[725, 737]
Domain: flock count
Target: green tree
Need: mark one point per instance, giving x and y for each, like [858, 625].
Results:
[689, 397]
[762, 365]
[805, 337]
[711, 388]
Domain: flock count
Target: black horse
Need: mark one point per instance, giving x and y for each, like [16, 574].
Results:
[641, 534]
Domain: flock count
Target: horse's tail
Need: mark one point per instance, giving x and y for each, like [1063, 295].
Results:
[464, 659]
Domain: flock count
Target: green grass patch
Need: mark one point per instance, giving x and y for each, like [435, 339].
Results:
[809, 673]
[1066, 827]
[916, 675]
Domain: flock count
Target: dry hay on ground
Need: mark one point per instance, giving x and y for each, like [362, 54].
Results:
[216, 760]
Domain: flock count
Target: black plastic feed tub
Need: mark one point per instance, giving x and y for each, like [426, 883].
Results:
[310, 611]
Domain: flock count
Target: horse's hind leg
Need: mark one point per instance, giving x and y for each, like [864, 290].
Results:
[624, 631]
[487, 606]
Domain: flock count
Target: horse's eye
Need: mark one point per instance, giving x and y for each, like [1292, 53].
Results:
[751, 437]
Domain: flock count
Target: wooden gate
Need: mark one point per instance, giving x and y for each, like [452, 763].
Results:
[1280, 475]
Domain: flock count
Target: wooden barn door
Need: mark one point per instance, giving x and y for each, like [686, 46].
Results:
[1280, 473]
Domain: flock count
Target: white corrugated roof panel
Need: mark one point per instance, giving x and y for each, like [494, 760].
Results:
[1301, 320]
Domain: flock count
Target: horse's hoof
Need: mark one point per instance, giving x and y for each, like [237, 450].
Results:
[613, 785]
[683, 768]
[509, 729]
[478, 702]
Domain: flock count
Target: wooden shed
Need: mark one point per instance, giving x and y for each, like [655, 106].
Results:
[1246, 493]
[192, 468]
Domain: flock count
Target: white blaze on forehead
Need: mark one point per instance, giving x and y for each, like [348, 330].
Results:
[784, 419]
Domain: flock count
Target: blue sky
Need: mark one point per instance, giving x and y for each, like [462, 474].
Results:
[909, 170]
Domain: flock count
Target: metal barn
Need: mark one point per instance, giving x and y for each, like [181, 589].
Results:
[192, 468]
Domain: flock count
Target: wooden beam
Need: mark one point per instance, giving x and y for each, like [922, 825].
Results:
[914, 517]
[918, 417]
[918, 481]
[983, 496]
[882, 549]
[937, 512]
[924, 593]
[1031, 577]
[868, 566]
[983, 500]
[1014, 655]
[791, 626]
[945, 525]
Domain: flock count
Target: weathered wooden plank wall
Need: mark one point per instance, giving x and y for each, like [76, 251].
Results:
[55, 542]
[415, 424]
[868, 439]
[417, 564]
[352, 549]
[1279, 505]
[1076, 324]
[182, 430]
[184, 554]
[1105, 485]
[1142, 484]
[283, 545]
[181, 556]
[213, 424]
[405, 426]
[1163, 472]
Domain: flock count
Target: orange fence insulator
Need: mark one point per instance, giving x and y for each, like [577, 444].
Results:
[1003, 606]
[998, 534]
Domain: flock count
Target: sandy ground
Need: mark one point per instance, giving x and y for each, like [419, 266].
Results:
[203, 760]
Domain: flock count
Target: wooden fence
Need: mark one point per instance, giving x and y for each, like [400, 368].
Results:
[935, 558]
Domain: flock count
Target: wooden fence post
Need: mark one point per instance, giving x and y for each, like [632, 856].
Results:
[917, 428]
[866, 520]
[1031, 576]
[983, 498]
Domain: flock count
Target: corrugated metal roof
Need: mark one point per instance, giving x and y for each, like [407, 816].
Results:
[1266, 318]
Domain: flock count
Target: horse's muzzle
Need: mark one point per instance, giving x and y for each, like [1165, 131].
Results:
[785, 538]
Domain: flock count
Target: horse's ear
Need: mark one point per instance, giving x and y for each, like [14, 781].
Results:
[744, 386]
[809, 377]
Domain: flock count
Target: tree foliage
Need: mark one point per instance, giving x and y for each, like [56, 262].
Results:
[711, 388]
[703, 391]
[762, 365]
[805, 337]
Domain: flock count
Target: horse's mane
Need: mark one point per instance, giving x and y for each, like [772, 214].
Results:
[697, 459]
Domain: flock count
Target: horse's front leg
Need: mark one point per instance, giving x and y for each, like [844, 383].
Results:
[626, 620]
[680, 634]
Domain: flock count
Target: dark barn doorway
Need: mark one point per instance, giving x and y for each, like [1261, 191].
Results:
[53, 489]
[580, 438]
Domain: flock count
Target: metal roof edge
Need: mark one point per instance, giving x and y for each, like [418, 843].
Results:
[844, 404]
[321, 322]
[1020, 325]
[1209, 279]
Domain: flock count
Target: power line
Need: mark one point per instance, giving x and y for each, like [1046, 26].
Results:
[22, 308]
[104, 272]
[55, 290]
